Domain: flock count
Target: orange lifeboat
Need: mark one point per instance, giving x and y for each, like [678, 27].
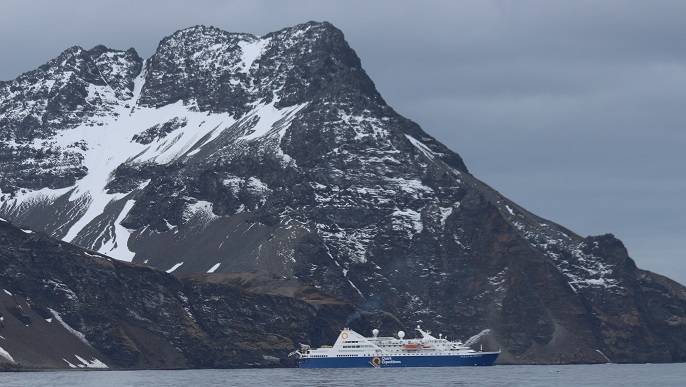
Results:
[411, 346]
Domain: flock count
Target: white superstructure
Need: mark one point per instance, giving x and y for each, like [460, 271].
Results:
[352, 344]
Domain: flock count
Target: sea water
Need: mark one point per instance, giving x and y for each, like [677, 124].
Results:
[563, 375]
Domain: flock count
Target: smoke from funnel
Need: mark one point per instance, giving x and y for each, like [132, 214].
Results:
[476, 337]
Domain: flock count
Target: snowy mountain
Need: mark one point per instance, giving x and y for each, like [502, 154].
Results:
[230, 153]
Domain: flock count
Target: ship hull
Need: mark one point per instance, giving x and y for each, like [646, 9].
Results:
[477, 359]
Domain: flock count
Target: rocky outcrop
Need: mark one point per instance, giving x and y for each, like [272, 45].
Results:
[62, 306]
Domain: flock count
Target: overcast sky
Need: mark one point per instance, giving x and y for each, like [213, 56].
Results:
[573, 109]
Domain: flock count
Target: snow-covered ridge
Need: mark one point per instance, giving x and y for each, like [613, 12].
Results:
[572, 257]
[119, 134]
[106, 74]
[93, 137]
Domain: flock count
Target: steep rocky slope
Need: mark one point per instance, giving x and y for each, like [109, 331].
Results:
[65, 307]
[231, 153]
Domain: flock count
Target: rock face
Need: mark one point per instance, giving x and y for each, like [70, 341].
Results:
[62, 306]
[230, 153]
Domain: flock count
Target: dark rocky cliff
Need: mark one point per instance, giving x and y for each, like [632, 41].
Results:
[62, 306]
[229, 153]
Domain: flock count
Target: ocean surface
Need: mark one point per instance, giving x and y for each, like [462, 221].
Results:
[565, 375]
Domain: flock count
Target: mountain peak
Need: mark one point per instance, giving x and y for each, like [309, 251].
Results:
[276, 154]
[219, 71]
[203, 34]
[314, 29]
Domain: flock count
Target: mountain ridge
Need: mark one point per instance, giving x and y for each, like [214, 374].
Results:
[276, 154]
[62, 306]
